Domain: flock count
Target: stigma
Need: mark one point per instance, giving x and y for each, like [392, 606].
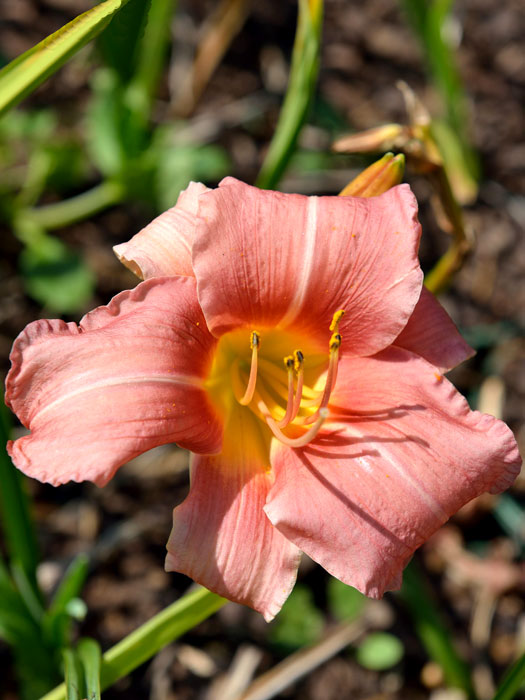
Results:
[255, 342]
[305, 409]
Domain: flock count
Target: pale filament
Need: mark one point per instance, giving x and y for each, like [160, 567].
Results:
[331, 378]
[294, 403]
[271, 369]
[303, 396]
[300, 441]
[289, 362]
[255, 341]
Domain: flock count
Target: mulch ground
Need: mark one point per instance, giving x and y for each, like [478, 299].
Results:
[367, 48]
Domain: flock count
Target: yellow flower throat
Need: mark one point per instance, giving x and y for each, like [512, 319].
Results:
[289, 392]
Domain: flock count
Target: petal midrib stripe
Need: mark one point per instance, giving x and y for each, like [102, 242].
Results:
[308, 259]
[176, 379]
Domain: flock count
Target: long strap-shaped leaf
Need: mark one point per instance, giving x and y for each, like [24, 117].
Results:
[25, 73]
[301, 86]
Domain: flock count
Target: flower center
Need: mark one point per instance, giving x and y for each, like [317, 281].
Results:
[288, 391]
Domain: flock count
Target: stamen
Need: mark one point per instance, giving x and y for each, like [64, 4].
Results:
[334, 326]
[289, 364]
[271, 370]
[298, 359]
[255, 341]
[303, 439]
[299, 368]
[331, 377]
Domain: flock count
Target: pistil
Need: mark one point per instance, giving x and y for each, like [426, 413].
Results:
[255, 342]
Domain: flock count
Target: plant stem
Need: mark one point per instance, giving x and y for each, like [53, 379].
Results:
[52, 216]
[149, 638]
[441, 274]
[18, 526]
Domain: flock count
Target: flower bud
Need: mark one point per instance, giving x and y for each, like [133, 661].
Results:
[381, 138]
[378, 177]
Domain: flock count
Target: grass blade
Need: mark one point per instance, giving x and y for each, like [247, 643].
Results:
[20, 77]
[433, 634]
[18, 526]
[73, 674]
[149, 638]
[71, 584]
[512, 681]
[88, 652]
[301, 86]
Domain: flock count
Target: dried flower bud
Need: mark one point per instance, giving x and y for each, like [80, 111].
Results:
[382, 138]
[378, 177]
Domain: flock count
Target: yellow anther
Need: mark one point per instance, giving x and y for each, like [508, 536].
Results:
[335, 341]
[289, 362]
[334, 326]
[255, 340]
[298, 359]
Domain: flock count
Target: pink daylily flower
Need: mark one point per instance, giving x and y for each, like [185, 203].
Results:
[311, 430]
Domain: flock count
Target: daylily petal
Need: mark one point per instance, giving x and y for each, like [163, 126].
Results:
[127, 379]
[163, 247]
[269, 259]
[403, 454]
[431, 333]
[221, 537]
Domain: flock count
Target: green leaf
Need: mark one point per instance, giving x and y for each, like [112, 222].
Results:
[35, 126]
[136, 44]
[431, 21]
[118, 135]
[16, 624]
[74, 676]
[511, 516]
[88, 651]
[16, 518]
[177, 165]
[344, 602]
[434, 636]
[30, 596]
[299, 623]
[147, 640]
[512, 682]
[105, 123]
[20, 77]
[119, 43]
[301, 86]
[163, 628]
[58, 617]
[36, 154]
[379, 651]
[151, 57]
[53, 274]
[34, 660]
